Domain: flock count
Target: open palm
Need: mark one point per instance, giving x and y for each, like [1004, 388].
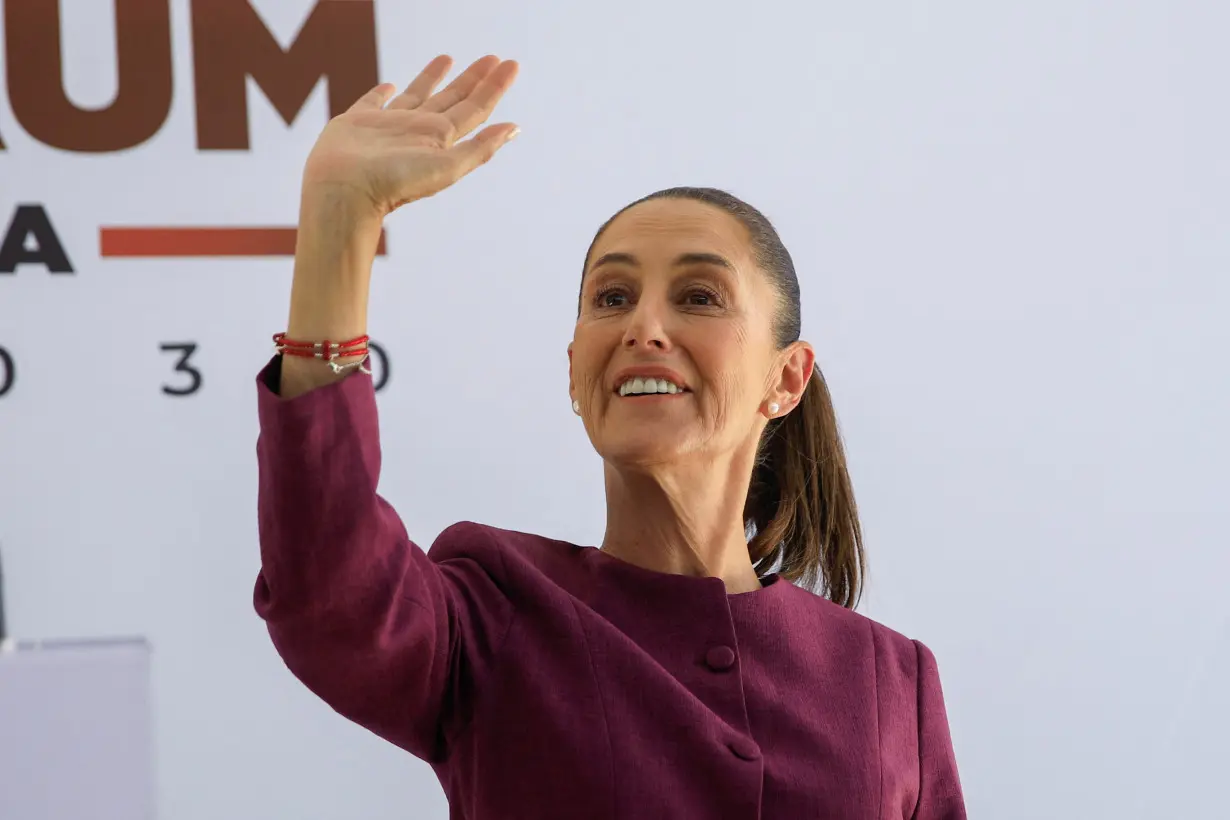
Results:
[414, 146]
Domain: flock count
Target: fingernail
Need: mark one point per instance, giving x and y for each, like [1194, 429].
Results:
[512, 134]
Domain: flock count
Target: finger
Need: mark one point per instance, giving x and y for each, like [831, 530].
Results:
[461, 87]
[375, 98]
[422, 85]
[474, 110]
[482, 147]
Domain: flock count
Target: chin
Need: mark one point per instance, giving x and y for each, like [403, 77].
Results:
[641, 451]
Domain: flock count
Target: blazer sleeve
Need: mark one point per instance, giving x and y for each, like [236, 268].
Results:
[939, 795]
[387, 636]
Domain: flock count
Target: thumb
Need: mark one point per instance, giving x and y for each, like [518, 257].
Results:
[482, 146]
[376, 98]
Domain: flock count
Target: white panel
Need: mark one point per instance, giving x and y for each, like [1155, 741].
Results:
[77, 736]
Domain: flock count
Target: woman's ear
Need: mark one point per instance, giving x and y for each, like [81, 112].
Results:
[796, 363]
[570, 396]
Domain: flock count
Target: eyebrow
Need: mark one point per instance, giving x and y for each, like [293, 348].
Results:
[680, 261]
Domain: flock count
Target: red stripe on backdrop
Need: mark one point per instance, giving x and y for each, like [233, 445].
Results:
[199, 242]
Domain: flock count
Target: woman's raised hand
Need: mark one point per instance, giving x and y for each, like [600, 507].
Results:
[386, 153]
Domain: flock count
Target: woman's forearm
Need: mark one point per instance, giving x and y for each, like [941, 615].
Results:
[334, 251]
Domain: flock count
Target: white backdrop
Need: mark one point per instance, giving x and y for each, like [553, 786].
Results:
[1010, 222]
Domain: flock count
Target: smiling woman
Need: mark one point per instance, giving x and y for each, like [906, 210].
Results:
[697, 280]
[705, 660]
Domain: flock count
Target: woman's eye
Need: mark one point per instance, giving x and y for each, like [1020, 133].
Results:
[611, 298]
[700, 297]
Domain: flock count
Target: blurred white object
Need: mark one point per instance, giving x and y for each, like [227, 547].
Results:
[77, 740]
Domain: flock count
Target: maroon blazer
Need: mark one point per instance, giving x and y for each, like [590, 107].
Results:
[544, 680]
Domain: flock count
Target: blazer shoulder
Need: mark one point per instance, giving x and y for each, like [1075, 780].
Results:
[891, 647]
[901, 657]
[506, 554]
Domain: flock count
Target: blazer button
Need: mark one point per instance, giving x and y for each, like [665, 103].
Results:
[720, 658]
[744, 748]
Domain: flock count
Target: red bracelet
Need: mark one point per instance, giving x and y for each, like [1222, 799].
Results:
[321, 350]
[326, 350]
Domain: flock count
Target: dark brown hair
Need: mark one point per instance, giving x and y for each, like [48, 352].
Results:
[800, 514]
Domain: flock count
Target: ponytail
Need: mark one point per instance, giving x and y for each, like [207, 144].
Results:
[800, 511]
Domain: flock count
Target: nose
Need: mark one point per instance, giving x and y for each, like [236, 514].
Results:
[646, 330]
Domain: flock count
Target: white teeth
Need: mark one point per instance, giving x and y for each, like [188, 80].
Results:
[640, 385]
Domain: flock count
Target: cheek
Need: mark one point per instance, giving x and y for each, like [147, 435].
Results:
[721, 359]
[735, 369]
[588, 362]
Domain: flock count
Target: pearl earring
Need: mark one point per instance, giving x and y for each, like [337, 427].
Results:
[773, 408]
[576, 407]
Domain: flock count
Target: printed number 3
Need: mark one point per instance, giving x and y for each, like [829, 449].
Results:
[186, 350]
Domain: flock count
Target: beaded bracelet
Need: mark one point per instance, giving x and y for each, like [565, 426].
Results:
[326, 350]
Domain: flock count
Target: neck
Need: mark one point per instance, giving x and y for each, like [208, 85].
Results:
[687, 520]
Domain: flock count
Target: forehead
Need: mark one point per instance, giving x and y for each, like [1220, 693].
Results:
[670, 226]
